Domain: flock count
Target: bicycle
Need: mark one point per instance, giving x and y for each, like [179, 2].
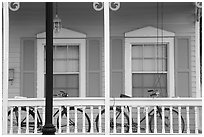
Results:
[64, 111]
[151, 114]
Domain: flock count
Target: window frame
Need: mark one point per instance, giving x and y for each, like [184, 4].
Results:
[82, 63]
[130, 41]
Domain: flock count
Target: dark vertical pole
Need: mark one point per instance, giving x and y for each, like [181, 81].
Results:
[48, 128]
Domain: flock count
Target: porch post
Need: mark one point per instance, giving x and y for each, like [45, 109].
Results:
[107, 67]
[5, 67]
[197, 54]
[49, 128]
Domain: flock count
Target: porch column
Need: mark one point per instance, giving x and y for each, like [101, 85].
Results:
[48, 128]
[107, 66]
[5, 66]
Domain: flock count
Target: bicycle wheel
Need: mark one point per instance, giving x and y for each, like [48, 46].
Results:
[167, 122]
[72, 121]
[23, 120]
[118, 121]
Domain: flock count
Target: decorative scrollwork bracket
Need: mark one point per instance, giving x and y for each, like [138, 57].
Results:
[98, 6]
[14, 6]
[114, 6]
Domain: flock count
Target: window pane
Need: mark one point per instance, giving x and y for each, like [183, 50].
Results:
[161, 65]
[60, 52]
[73, 66]
[149, 51]
[68, 83]
[148, 64]
[136, 65]
[60, 65]
[142, 82]
[73, 52]
[162, 51]
[137, 51]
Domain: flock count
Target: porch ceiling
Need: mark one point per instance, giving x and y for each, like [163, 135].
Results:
[81, 16]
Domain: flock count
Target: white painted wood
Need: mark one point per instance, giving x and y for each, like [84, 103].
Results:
[107, 66]
[67, 119]
[171, 120]
[179, 119]
[196, 120]
[82, 63]
[197, 60]
[187, 120]
[64, 33]
[163, 120]
[99, 110]
[122, 119]
[5, 67]
[43, 115]
[114, 119]
[147, 119]
[149, 31]
[11, 122]
[27, 119]
[19, 120]
[170, 62]
[92, 127]
[138, 119]
[60, 120]
[155, 119]
[130, 119]
[75, 119]
[84, 118]
[36, 116]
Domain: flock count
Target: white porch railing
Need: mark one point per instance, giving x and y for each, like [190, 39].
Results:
[87, 115]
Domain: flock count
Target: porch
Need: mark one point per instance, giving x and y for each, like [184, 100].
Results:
[178, 116]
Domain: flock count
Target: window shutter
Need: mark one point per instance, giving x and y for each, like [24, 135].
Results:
[93, 68]
[182, 71]
[116, 67]
[28, 67]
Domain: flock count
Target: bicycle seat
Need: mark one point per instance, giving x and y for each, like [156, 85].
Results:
[124, 96]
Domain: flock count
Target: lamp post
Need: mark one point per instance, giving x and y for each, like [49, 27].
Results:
[49, 128]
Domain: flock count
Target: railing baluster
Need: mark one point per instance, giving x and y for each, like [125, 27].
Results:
[27, 119]
[92, 119]
[179, 119]
[11, 122]
[19, 120]
[122, 119]
[130, 119]
[147, 120]
[138, 119]
[99, 108]
[155, 119]
[60, 119]
[171, 120]
[84, 124]
[163, 120]
[114, 119]
[75, 126]
[187, 120]
[67, 119]
[196, 120]
[43, 115]
[35, 110]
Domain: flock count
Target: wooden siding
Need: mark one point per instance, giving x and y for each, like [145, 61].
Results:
[29, 20]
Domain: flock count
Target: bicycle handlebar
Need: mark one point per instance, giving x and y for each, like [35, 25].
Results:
[63, 94]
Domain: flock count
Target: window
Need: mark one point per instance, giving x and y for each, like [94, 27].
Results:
[149, 69]
[149, 58]
[69, 63]
[66, 69]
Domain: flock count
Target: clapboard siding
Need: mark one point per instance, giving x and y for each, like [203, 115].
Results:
[30, 20]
